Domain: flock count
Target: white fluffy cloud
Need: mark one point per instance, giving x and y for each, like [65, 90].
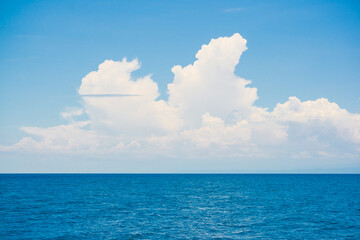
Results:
[214, 131]
[209, 108]
[124, 106]
[68, 138]
[210, 85]
[347, 125]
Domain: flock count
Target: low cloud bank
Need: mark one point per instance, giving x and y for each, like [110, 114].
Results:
[210, 113]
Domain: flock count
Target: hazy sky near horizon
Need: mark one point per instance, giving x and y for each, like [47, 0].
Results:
[182, 86]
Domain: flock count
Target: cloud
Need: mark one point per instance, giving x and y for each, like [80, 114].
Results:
[69, 138]
[108, 95]
[71, 113]
[137, 112]
[210, 85]
[210, 113]
[233, 10]
[347, 125]
[214, 131]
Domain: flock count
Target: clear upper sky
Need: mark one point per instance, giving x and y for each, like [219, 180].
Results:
[307, 49]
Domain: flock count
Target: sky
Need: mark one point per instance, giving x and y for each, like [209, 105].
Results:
[180, 86]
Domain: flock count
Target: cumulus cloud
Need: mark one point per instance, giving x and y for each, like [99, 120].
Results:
[210, 85]
[209, 109]
[347, 125]
[214, 131]
[68, 138]
[136, 112]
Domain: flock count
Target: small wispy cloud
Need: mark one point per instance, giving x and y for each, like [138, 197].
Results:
[26, 58]
[233, 10]
[25, 35]
[109, 95]
[71, 112]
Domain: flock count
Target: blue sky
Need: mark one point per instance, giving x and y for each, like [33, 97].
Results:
[307, 49]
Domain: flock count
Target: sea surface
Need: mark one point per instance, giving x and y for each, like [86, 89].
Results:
[179, 206]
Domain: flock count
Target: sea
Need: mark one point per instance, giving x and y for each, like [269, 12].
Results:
[179, 206]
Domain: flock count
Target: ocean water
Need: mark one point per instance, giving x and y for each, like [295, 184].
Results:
[179, 206]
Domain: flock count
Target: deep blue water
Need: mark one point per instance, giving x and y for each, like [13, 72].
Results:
[184, 206]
